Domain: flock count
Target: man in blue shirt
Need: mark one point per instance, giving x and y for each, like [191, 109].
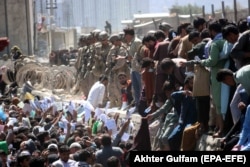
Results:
[242, 76]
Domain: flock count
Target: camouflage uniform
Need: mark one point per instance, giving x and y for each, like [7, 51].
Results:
[88, 64]
[97, 60]
[114, 67]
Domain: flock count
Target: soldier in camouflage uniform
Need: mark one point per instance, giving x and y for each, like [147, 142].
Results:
[96, 65]
[84, 54]
[79, 60]
[101, 51]
[115, 67]
[88, 61]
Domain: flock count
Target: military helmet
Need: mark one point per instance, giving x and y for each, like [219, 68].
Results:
[114, 37]
[5, 57]
[103, 35]
[96, 33]
[121, 35]
[164, 26]
[89, 36]
[82, 37]
[151, 32]
[15, 48]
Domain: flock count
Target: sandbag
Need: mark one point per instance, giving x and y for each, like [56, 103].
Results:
[201, 85]
[189, 137]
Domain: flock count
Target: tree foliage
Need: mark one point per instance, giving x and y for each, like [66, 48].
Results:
[186, 9]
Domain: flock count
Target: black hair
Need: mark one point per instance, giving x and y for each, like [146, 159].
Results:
[64, 148]
[168, 86]
[31, 136]
[129, 31]
[189, 29]
[106, 140]
[103, 77]
[198, 21]
[215, 26]
[188, 78]
[26, 101]
[146, 62]
[182, 26]
[172, 34]
[37, 162]
[84, 154]
[21, 158]
[122, 145]
[148, 38]
[128, 145]
[222, 73]
[204, 34]
[223, 22]
[193, 34]
[242, 25]
[229, 29]
[41, 136]
[113, 161]
[166, 63]
[159, 34]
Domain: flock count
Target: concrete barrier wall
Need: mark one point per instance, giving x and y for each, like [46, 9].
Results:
[58, 40]
[71, 38]
[16, 22]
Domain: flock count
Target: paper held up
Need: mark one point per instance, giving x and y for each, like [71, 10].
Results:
[98, 112]
[71, 107]
[110, 124]
[125, 137]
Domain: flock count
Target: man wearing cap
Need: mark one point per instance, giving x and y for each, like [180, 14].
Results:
[53, 148]
[74, 147]
[23, 159]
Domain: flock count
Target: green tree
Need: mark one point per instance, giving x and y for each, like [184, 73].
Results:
[194, 9]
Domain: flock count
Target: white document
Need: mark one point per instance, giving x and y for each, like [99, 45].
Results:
[20, 104]
[59, 106]
[71, 107]
[125, 137]
[103, 118]
[111, 125]
[41, 129]
[27, 108]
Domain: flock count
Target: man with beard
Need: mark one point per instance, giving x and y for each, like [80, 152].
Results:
[64, 160]
[126, 88]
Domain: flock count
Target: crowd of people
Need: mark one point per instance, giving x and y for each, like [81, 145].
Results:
[196, 76]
